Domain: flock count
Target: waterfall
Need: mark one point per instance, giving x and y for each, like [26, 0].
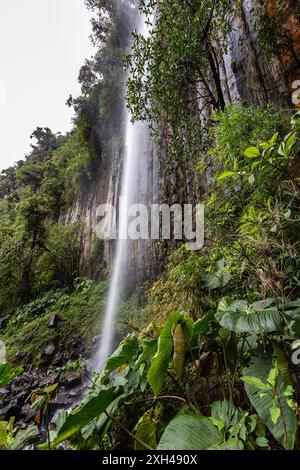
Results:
[133, 189]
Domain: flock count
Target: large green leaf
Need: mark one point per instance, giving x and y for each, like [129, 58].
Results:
[82, 416]
[285, 428]
[242, 317]
[98, 423]
[159, 364]
[190, 432]
[125, 354]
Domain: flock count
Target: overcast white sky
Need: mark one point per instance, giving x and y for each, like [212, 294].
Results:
[43, 44]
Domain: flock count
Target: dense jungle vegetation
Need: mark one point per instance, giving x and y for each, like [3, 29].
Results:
[206, 356]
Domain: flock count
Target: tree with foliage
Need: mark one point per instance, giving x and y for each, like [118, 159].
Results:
[177, 66]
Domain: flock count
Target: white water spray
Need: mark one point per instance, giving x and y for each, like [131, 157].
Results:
[136, 147]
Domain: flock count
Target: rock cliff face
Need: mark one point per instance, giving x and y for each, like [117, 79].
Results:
[248, 74]
[104, 189]
[245, 74]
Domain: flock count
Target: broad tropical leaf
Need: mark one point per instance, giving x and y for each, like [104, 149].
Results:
[98, 423]
[242, 317]
[285, 428]
[190, 432]
[125, 354]
[159, 364]
[201, 325]
[82, 416]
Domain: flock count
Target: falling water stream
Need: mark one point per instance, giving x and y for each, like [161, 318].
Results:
[134, 169]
